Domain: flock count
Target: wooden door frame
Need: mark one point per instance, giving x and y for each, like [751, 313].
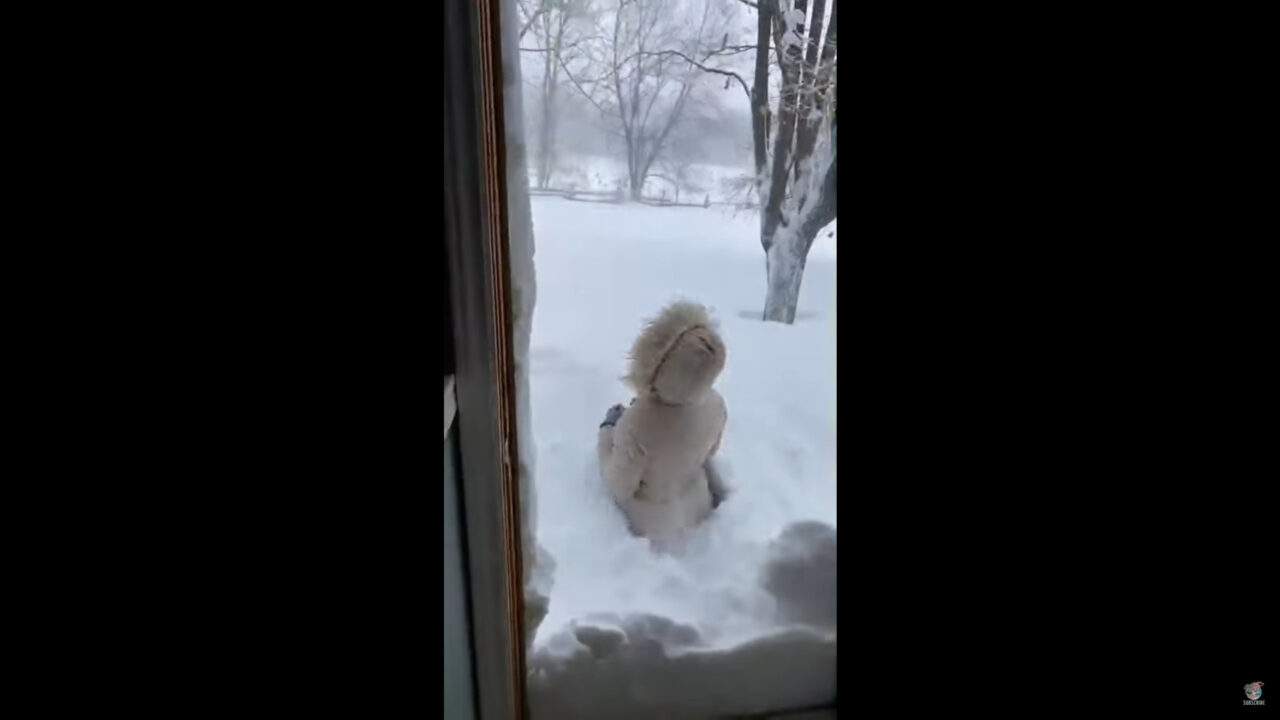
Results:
[479, 291]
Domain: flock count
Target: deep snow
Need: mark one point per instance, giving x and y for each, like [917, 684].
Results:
[629, 631]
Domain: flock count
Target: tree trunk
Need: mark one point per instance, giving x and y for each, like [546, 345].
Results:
[818, 69]
[760, 96]
[637, 185]
[788, 226]
[550, 84]
[545, 150]
[547, 161]
[788, 250]
[784, 267]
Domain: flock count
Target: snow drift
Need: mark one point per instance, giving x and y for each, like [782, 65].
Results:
[741, 617]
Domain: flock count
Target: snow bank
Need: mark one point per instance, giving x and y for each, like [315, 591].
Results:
[800, 573]
[647, 667]
[740, 619]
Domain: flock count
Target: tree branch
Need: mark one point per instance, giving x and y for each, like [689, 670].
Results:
[700, 66]
[578, 85]
[810, 79]
[562, 47]
[735, 50]
[821, 215]
[542, 8]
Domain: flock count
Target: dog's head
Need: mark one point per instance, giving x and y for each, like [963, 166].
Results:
[677, 356]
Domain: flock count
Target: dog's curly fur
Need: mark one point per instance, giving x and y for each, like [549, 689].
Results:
[655, 350]
[656, 458]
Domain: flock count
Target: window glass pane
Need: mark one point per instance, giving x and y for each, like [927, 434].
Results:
[671, 170]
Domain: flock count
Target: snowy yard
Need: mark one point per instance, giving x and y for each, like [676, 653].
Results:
[629, 631]
[594, 173]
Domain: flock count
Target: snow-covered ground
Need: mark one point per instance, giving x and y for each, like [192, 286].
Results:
[631, 633]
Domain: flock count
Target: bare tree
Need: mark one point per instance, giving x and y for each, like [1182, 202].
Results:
[552, 25]
[685, 148]
[795, 166]
[643, 73]
[797, 179]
